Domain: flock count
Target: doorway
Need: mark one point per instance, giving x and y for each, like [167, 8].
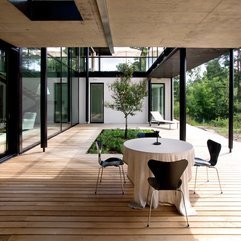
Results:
[97, 103]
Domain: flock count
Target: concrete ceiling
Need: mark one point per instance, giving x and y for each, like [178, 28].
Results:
[170, 67]
[139, 23]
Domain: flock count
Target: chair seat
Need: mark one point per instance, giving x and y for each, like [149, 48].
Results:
[112, 161]
[162, 186]
[201, 162]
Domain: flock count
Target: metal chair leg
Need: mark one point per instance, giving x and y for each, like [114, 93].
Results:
[149, 216]
[219, 180]
[207, 174]
[195, 180]
[97, 181]
[121, 180]
[123, 173]
[184, 206]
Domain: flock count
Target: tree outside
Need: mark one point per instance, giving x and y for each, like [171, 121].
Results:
[127, 96]
[208, 98]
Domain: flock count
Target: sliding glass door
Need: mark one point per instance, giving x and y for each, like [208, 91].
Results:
[158, 97]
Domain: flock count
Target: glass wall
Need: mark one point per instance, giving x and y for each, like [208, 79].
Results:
[76, 65]
[3, 105]
[31, 60]
[157, 98]
[140, 58]
[54, 91]
[59, 85]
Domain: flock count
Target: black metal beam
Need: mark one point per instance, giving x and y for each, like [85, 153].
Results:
[182, 101]
[231, 97]
[171, 94]
[87, 85]
[149, 99]
[43, 99]
[14, 101]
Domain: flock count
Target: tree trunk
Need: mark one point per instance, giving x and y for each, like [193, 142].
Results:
[126, 127]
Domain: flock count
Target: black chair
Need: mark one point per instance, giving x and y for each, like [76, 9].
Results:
[166, 177]
[148, 134]
[110, 162]
[214, 149]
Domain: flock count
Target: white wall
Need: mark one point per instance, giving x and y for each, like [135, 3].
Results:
[111, 116]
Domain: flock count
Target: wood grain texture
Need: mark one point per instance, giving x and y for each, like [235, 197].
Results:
[51, 197]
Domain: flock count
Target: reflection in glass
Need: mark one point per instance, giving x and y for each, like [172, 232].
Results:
[31, 59]
[58, 99]
[54, 77]
[157, 96]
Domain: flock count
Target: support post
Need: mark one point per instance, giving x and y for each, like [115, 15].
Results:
[182, 94]
[87, 85]
[43, 99]
[231, 97]
[149, 100]
[171, 94]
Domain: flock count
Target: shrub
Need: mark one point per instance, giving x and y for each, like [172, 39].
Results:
[113, 140]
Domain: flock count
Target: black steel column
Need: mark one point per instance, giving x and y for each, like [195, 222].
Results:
[69, 82]
[182, 94]
[43, 99]
[14, 101]
[149, 100]
[87, 85]
[171, 94]
[231, 91]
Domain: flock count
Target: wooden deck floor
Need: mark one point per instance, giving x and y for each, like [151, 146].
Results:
[50, 197]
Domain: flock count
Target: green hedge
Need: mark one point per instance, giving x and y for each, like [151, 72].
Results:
[113, 139]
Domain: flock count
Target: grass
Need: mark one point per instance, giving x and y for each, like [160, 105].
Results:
[113, 140]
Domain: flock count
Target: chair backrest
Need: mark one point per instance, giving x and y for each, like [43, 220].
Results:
[214, 150]
[99, 146]
[168, 174]
[148, 134]
[157, 116]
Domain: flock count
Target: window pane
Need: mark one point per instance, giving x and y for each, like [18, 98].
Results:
[158, 98]
[31, 59]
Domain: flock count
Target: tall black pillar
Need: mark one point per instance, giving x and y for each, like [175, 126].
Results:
[231, 91]
[43, 99]
[87, 85]
[149, 100]
[182, 94]
[14, 101]
[171, 94]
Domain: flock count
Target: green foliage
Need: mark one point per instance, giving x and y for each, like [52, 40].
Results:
[127, 96]
[207, 99]
[113, 140]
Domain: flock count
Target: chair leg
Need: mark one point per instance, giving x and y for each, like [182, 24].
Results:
[219, 180]
[195, 180]
[97, 181]
[184, 207]
[149, 216]
[121, 180]
[207, 174]
[123, 173]
[102, 169]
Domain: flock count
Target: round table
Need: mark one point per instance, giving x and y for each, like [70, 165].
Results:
[137, 153]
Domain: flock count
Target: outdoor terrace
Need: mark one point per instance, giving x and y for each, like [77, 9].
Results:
[50, 196]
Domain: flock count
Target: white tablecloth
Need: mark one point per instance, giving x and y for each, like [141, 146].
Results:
[137, 153]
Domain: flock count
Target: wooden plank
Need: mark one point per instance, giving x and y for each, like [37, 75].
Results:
[50, 196]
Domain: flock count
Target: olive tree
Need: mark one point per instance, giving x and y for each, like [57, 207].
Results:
[127, 96]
